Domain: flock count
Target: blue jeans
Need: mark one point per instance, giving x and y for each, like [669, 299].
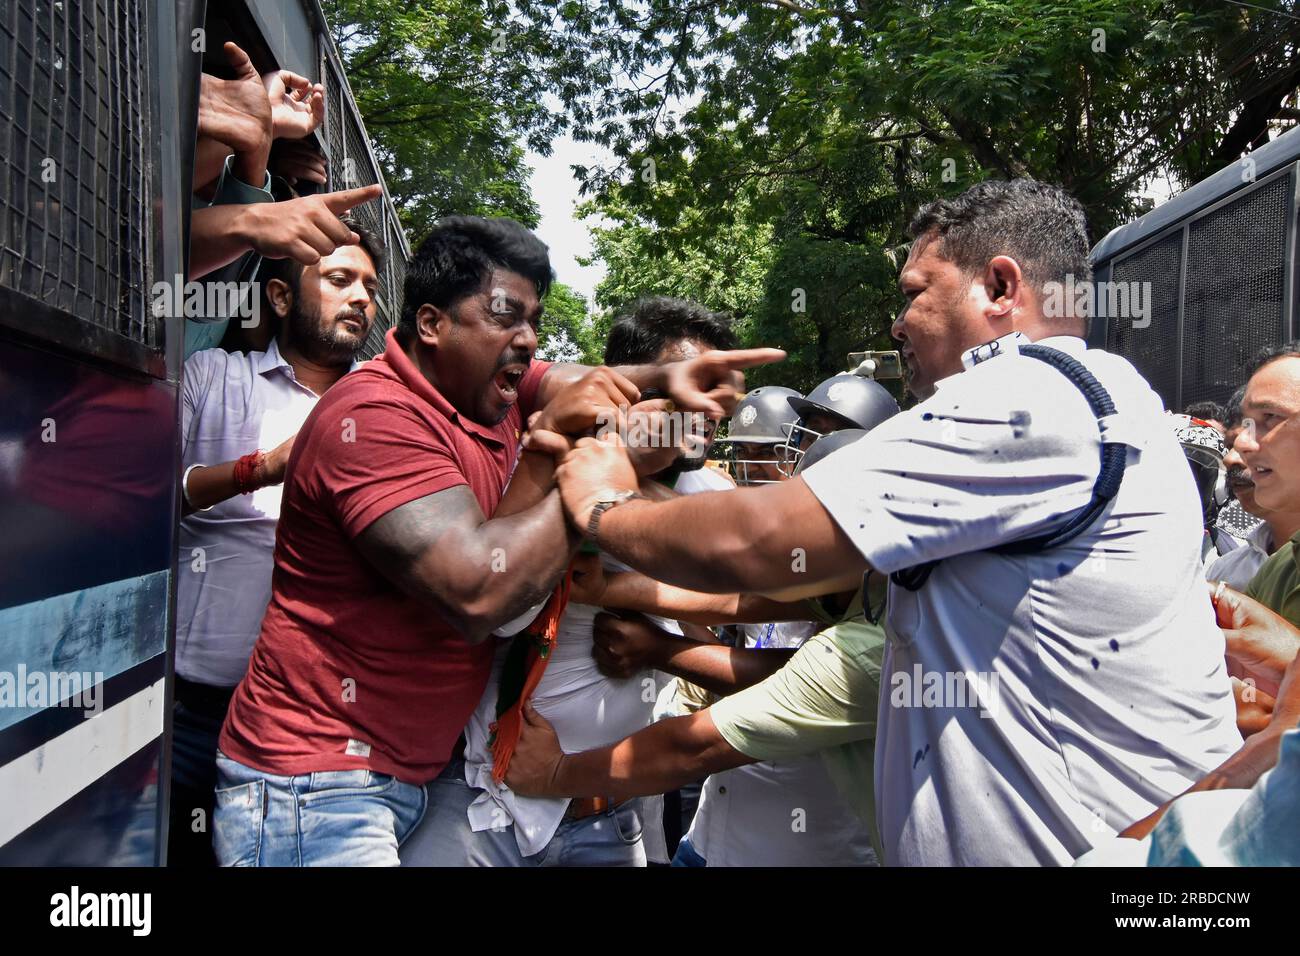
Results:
[327, 818]
[686, 855]
[444, 837]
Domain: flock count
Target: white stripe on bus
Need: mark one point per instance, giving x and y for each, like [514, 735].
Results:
[43, 779]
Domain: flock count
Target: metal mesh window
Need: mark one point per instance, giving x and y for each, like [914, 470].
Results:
[1235, 282]
[350, 167]
[74, 224]
[1153, 350]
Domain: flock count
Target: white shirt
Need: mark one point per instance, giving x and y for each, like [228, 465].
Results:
[587, 710]
[1255, 827]
[232, 404]
[1239, 565]
[1097, 687]
[786, 813]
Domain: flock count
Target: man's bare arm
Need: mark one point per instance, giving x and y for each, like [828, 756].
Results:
[724, 670]
[478, 573]
[754, 540]
[633, 591]
[712, 382]
[665, 756]
[533, 480]
[212, 484]
[624, 647]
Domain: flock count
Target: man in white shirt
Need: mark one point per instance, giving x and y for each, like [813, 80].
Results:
[1034, 702]
[234, 405]
[473, 821]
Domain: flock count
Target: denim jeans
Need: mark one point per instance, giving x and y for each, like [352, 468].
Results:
[687, 855]
[444, 837]
[327, 818]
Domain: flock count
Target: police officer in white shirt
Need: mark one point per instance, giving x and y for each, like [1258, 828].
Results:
[1035, 700]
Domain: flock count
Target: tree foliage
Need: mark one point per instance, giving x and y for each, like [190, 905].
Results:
[567, 332]
[767, 147]
[450, 97]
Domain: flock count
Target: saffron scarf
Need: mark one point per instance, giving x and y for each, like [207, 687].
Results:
[521, 672]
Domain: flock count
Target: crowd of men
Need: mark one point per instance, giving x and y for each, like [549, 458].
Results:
[458, 606]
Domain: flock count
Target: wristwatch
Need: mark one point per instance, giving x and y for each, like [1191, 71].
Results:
[607, 500]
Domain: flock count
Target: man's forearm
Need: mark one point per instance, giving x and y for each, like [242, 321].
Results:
[665, 756]
[566, 373]
[721, 669]
[208, 486]
[634, 591]
[209, 159]
[533, 479]
[749, 539]
[217, 238]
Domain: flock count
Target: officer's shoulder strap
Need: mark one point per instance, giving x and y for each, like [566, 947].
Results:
[1114, 455]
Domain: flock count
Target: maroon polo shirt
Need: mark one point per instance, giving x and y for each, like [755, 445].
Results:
[348, 671]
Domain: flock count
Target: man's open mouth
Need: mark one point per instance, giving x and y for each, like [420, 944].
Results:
[508, 379]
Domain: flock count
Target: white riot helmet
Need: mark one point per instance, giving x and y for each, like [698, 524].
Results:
[852, 401]
[761, 418]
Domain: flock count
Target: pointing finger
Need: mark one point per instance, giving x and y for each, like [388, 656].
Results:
[343, 200]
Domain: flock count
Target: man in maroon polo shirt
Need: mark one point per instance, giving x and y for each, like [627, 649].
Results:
[388, 573]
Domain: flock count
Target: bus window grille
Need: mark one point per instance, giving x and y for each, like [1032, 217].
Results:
[1153, 348]
[1235, 282]
[74, 214]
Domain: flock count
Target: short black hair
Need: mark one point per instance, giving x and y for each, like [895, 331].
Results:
[1207, 411]
[458, 256]
[1234, 408]
[1039, 225]
[289, 271]
[1271, 353]
[643, 329]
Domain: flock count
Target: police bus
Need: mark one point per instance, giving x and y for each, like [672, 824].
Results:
[98, 107]
[1192, 290]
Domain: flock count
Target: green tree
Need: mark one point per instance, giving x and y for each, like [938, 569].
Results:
[824, 125]
[450, 94]
[568, 332]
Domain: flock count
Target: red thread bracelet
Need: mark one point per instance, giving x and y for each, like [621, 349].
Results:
[246, 469]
